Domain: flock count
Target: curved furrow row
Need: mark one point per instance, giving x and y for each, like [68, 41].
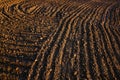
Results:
[115, 63]
[15, 10]
[6, 9]
[114, 44]
[85, 47]
[69, 75]
[116, 36]
[58, 13]
[25, 7]
[114, 15]
[40, 54]
[108, 70]
[53, 57]
[55, 10]
[86, 43]
[45, 10]
[92, 65]
[18, 12]
[31, 9]
[117, 15]
[58, 9]
[19, 8]
[41, 9]
[113, 28]
[44, 49]
[50, 9]
[113, 59]
[58, 56]
[58, 66]
[61, 9]
[9, 2]
[90, 61]
[3, 13]
[83, 65]
[11, 13]
[78, 56]
[110, 73]
[73, 49]
[105, 51]
[98, 51]
[59, 40]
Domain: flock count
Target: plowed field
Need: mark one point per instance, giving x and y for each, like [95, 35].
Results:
[59, 40]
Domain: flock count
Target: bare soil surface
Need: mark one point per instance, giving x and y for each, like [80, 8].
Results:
[59, 40]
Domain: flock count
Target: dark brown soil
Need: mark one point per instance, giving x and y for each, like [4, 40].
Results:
[59, 40]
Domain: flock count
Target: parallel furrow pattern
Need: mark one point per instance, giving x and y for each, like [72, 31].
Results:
[55, 40]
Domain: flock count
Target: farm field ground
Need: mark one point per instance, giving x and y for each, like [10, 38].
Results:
[59, 40]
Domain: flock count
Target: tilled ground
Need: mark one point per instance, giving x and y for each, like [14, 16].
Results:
[69, 40]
